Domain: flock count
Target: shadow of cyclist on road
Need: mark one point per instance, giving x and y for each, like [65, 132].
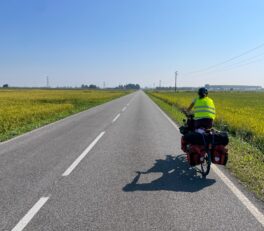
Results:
[176, 176]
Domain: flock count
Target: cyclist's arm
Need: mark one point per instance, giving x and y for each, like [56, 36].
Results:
[191, 106]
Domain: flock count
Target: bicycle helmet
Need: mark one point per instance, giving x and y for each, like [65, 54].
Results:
[202, 92]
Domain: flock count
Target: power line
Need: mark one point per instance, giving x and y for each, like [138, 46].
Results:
[236, 65]
[226, 61]
[239, 66]
[246, 60]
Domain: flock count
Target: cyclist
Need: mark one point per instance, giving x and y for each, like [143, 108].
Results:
[204, 110]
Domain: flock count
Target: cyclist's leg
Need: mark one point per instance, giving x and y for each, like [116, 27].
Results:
[205, 123]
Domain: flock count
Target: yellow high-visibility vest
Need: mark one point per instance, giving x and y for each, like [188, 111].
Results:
[204, 108]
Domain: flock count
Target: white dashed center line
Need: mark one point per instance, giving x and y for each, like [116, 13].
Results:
[30, 214]
[115, 119]
[85, 152]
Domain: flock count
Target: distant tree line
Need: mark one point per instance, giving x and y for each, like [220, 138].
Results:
[178, 88]
[125, 87]
[91, 86]
[129, 86]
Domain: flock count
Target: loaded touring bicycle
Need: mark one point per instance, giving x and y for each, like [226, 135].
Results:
[203, 146]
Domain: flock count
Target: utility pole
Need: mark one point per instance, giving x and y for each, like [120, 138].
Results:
[104, 85]
[176, 73]
[47, 78]
[160, 83]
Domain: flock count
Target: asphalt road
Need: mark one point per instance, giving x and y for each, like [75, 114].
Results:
[117, 166]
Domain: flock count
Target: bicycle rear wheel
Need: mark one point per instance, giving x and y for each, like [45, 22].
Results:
[205, 165]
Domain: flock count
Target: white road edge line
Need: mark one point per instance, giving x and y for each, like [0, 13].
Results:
[168, 118]
[115, 119]
[124, 109]
[84, 153]
[249, 205]
[30, 214]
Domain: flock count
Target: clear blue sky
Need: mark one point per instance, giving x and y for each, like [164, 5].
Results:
[138, 41]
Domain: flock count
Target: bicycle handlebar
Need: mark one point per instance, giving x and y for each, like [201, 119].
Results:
[187, 114]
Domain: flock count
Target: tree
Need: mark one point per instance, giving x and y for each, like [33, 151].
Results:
[132, 86]
[84, 86]
[5, 86]
[119, 87]
[92, 86]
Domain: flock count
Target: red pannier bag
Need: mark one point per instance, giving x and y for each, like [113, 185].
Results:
[195, 154]
[219, 155]
[183, 144]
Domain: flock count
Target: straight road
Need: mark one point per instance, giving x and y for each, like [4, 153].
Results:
[118, 166]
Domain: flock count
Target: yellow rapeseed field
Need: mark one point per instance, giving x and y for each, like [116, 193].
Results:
[242, 112]
[23, 110]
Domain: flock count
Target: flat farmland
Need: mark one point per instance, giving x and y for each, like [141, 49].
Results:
[23, 109]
